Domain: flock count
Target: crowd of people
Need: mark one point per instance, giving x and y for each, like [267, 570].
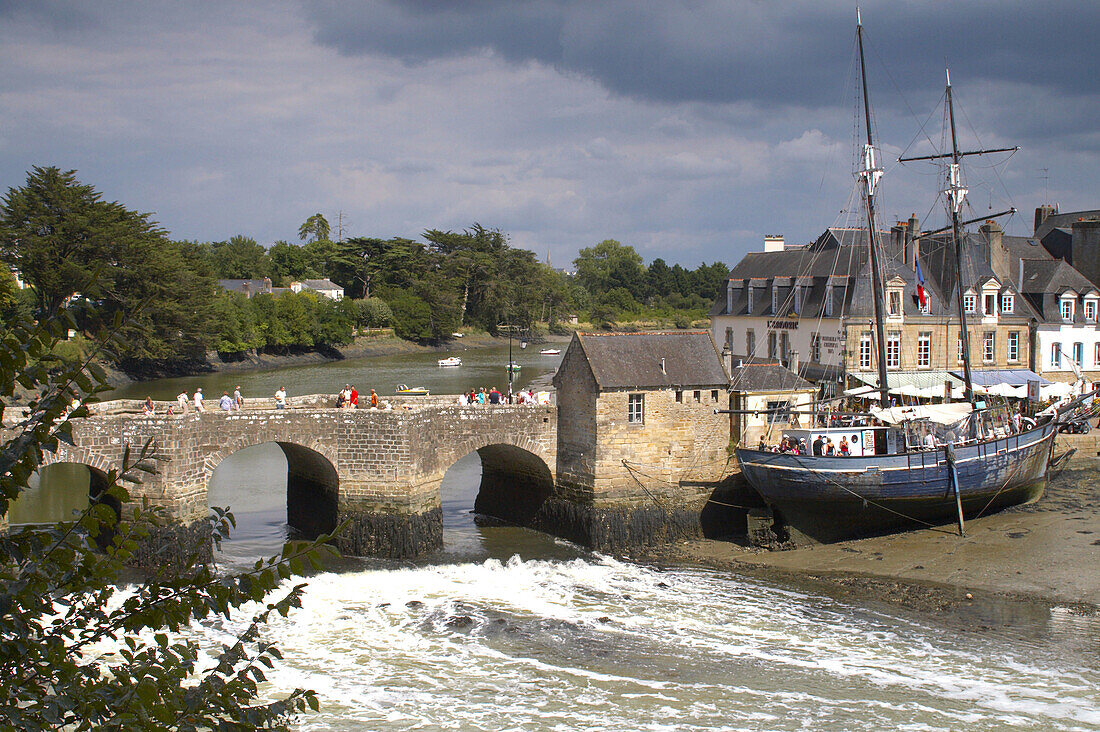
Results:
[347, 398]
[492, 395]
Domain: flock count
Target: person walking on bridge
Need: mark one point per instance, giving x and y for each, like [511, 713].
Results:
[182, 398]
[198, 401]
[238, 399]
[280, 398]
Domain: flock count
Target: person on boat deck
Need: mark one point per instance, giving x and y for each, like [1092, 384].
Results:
[803, 448]
[763, 444]
[830, 449]
[844, 449]
[819, 447]
[930, 441]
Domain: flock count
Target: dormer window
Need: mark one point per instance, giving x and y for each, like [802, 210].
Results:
[775, 299]
[893, 303]
[1007, 302]
[1090, 311]
[989, 303]
[748, 299]
[1067, 309]
[970, 302]
[829, 301]
[798, 299]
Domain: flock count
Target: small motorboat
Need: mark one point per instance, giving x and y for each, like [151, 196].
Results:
[405, 390]
[513, 366]
[550, 352]
[452, 361]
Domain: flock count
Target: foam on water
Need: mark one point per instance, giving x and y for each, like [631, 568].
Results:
[600, 644]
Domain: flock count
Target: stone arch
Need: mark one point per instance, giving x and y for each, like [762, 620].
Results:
[313, 483]
[98, 481]
[515, 478]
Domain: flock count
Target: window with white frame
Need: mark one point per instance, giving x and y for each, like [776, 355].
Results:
[1067, 308]
[893, 303]
[775, 299]
[926, 306]
[1056, 355]
[635, 408]
[865, 350]
[798, 299]
[1008, 303]
[990, 304]
[959, 357]
[924, 349]
[1096, 356]
[1090, 311]
[729, 337]
[893, 350]
[773, 344]
[1013, 345]
[750, 342]
[970, 302]
[815, 347]
[784, 345]
[987, 347]
[829, 301]
[748, 299]
[1079, 354]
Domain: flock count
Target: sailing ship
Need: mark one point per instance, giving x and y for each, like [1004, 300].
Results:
[906, 466]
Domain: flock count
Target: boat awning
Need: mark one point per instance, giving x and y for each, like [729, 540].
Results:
[1009, 377]
[944, 414]
[925, 384]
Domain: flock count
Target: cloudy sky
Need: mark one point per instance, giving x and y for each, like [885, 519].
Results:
[686, 128]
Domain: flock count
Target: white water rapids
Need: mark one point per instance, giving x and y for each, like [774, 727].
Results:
[479, 639]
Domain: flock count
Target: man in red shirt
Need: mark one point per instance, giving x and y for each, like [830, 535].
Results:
[354, 401]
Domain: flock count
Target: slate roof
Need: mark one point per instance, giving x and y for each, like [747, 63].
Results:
[633, 360]
[765, 375]
[1063, 221]
[1045, 280]
[325, 284]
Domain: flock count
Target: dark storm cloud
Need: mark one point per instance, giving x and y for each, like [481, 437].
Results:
[789, 53]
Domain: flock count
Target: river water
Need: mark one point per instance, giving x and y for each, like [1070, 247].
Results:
[508, 629]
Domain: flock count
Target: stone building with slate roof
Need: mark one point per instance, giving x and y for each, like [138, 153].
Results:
[1064, 302]
[638, 440]
[815, 301]
[763, 385]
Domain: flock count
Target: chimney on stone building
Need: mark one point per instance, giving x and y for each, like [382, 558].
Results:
[912, 243]
[1042, 212]
[774, 243]
[1000, 261]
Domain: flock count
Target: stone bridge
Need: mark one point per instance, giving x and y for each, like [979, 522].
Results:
[379, 470]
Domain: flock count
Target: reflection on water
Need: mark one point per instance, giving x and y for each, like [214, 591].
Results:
[56, 493]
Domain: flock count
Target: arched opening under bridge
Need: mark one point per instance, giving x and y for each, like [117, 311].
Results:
[276, 491]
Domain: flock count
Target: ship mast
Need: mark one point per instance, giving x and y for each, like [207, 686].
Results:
[956, 194]
[870, 175]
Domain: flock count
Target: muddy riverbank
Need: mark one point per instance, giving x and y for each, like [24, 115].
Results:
[1041, 554]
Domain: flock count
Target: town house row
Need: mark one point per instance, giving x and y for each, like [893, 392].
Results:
[812, 304]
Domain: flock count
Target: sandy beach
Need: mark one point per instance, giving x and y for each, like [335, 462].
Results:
[1047, 552]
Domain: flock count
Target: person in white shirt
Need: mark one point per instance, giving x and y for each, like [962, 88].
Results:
[198, 401]
[182, 399]
[280, 398]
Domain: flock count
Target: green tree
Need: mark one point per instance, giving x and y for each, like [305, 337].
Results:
[287, 262]
[61, 588]
[608, 265]
[240, 258]
[234, 324]
[374, 312]
[315, 228]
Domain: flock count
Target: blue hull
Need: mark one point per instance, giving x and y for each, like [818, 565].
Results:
[833, 498]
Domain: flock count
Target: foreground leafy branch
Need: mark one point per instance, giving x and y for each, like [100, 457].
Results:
[82, 645]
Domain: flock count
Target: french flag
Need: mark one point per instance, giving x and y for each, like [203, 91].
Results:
[920, 288]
